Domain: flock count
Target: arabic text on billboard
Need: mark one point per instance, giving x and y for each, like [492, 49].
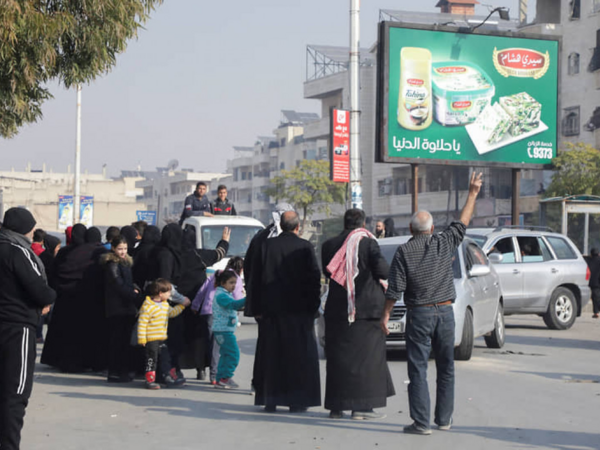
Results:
[340, 143]
[147, 216]
[485, 99]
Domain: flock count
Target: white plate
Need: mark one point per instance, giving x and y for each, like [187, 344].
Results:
[395, 327]
[483, 146]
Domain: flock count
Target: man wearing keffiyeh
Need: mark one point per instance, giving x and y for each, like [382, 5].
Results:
[358, 378]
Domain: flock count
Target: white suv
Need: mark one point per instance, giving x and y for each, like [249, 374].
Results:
[541, 272]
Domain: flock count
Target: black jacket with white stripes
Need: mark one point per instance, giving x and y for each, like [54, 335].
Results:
[23, 287]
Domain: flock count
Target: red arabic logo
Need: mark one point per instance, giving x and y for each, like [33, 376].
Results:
[521, 62]
[461, 105]
[451, 69]
[415, 82]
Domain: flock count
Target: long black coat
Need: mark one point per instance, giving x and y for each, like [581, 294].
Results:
[286, 370]
[253, 272]
[372, 267]
[358, 377]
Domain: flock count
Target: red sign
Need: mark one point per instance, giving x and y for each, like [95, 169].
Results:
[521, 62]
[340, 145]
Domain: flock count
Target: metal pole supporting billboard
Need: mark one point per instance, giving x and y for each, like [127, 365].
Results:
[516, 194]
[76, 187]
[355, 172]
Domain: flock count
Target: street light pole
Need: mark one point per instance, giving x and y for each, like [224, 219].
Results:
[76, 195]
[355, 172]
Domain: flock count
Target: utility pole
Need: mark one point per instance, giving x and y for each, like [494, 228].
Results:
[76, 194]
[355, 169]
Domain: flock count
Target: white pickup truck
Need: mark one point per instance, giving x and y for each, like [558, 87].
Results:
[210, 229]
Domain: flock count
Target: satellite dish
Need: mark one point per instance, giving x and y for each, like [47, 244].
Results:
[172, 165]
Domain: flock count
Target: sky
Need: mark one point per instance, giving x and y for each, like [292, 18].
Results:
[201, 78]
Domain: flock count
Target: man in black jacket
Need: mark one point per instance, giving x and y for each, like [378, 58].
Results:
[222, 206]
[358, 377]
[197, 204]
[593, 262]
[24, 295]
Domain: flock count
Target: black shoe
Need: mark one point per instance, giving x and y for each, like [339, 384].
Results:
[200, 374]
[270, 408]
[336, 414]
[298, 409]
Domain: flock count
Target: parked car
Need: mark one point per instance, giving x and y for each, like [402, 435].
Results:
[541, 272]
[478, 309]
[209, 230]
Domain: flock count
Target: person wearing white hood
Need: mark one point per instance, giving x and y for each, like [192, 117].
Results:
[24, 295]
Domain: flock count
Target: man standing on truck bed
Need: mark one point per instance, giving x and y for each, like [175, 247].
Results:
[222, 206]
[197, 204]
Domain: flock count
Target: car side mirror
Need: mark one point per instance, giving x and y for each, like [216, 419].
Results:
[495, 258]
[479, 270]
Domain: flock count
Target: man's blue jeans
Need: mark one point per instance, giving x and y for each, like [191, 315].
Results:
[427, 328]
[229, 354]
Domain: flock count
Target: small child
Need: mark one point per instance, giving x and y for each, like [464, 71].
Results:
[225, 321]
[152, 332]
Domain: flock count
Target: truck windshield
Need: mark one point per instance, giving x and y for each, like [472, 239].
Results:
[238, 242]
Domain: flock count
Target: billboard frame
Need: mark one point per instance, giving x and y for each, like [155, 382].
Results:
[382, 95]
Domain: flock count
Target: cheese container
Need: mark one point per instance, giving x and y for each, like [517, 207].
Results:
[461, 91]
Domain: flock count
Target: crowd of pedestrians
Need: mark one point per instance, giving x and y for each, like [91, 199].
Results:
[121, 307]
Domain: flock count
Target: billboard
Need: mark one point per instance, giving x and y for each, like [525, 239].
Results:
[86, 210]
[340, 145]
[479, 99]
[147, 216]
[65, 211]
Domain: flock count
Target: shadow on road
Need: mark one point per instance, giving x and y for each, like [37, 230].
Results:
[546, 341]
[228, 411]
[540, 438]
[566, 377]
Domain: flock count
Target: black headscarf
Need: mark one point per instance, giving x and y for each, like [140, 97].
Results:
[170, 241]
[93, 236]
[50, 243]
[78, 234]
[151, 235]
[130, 234]
[390, 228]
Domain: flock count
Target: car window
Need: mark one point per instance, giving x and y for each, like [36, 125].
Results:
[478, 238]
[545, 250]
[474, 255]
[241, 235]
[532, 250]
[561, 248]
[506, 248]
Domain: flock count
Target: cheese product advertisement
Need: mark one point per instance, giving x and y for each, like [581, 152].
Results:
[470, 97]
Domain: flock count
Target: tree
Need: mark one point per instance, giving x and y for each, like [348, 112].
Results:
[308, 187]
[72, 41]
[577, 171]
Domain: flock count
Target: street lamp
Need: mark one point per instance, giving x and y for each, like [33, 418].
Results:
[502, 11]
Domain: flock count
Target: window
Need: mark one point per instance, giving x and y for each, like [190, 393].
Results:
[533, 249]
[243, 175]
[385, 187]
[573, 63]
[595, 61]
[506, 248]
[282, 166]
[174, 189]
[570, 122]
[474, 255]
[595, 6]
[561, 248]
[574, 9]
[282, 142]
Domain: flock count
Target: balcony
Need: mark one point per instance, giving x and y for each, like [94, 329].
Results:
[326, 86]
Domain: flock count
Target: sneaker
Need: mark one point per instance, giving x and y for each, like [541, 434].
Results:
[367, 415]
[152, 385]
[178, 380]
[227, 383]
[213, 382]
[336, 414]
[179, 376]
[416, 429]
[446, 427]
[595, 316]
[169, 381]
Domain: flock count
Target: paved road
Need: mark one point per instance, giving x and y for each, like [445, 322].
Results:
[542, 390]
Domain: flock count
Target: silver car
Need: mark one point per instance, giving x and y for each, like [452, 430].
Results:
[478, 309]
[540, 273]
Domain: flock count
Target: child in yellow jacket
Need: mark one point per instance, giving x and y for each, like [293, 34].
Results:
[152, 332]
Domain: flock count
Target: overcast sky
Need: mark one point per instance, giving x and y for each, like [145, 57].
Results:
[201, 78]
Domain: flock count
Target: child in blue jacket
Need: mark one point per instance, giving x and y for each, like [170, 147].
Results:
[225, 320]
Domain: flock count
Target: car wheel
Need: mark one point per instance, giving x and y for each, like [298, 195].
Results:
[496, 339]
[562, 310]
[465, 349]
